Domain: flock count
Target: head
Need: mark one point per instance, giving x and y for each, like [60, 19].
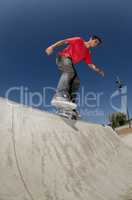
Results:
[95, 41]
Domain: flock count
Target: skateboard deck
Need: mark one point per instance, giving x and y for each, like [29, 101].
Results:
[65, 109]
[63, 105]
[69, 114]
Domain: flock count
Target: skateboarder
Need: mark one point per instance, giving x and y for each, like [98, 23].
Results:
[77, 50]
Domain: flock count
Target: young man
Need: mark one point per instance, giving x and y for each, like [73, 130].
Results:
[77, 50]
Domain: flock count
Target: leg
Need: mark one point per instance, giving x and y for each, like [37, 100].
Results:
[64, 84]
[62, 98]
[67, 74]
[74, 87]
[75, 84]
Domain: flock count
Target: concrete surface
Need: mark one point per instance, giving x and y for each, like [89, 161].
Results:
[44, 157]
[127, 139]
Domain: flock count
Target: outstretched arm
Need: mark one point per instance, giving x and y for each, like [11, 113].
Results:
[50, 49]
[96, 69]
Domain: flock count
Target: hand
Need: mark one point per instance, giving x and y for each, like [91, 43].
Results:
[49, 50]
[101, 72]
[96, 69]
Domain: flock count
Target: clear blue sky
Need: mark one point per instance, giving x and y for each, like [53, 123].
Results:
[28, 27]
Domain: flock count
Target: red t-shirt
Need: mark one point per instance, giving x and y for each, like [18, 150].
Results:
[76, 50]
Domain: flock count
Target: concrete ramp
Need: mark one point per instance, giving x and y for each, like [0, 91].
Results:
[45, 157]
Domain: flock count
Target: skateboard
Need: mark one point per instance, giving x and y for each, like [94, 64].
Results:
[68, 113]
[66, 109]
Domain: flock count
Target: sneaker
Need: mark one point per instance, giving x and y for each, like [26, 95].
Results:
[76, 113]
[62, 102]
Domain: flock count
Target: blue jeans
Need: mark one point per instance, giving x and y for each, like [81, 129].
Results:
[69, 82]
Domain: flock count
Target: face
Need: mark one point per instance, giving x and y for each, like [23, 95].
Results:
[94, 42]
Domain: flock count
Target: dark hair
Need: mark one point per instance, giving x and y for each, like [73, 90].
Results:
[97, 38]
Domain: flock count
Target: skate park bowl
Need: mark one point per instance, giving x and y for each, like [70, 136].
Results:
[46, 157]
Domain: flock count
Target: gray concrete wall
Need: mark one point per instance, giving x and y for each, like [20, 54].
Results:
[45, 157]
